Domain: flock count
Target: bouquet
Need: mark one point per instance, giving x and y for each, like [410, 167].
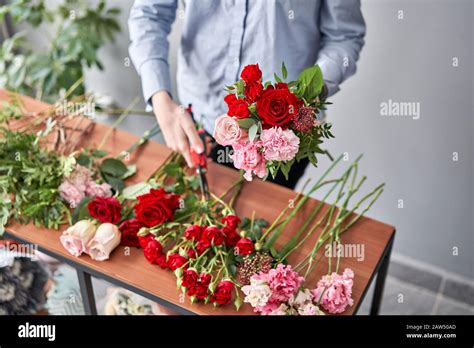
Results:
[270, 126]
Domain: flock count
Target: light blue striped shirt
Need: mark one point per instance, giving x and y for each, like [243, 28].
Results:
[220, 37]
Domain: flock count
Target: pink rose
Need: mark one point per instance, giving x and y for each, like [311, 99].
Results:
[279, 144]
[247, 156]
[71, 193]
[227, 130]
[105, 240]
[96, 190]
[336, 291]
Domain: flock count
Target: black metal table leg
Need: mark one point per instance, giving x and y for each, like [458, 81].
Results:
[380, 282]
[87, 292]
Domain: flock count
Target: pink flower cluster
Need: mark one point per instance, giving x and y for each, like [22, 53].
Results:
[80, 184]
[280, 292]
[282, 283]
[334, 291]
[275, 144]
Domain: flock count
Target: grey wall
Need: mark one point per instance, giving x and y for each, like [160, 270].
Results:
[407, 60]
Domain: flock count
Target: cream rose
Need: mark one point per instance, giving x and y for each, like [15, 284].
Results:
[106, 239]
[227, 130]
[76, 237]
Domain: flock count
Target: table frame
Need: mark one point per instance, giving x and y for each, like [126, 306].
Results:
[84, 275]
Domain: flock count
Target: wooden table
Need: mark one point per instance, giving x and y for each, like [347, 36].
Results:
[131, 270]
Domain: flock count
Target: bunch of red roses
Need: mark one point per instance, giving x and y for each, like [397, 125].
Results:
[269, 126]
[200, 257]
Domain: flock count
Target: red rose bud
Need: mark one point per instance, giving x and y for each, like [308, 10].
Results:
[223, 292]
[253, 91]
[193, 232]
[176, 261]
[231, 221]
[161, 261]
[152, 250]
[191, 253]
[212, 235]
[156, 207]
[105, 209]
[201, 288]
[239, 109]
[251, 73]
[231, 236]
[244, 246]
[143, 240]
[190, 278]
[201, 246]
[129, 229]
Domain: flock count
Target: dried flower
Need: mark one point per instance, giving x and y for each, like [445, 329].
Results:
[305, 119]
[260, 262]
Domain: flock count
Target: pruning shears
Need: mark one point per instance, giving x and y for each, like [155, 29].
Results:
[200, 160]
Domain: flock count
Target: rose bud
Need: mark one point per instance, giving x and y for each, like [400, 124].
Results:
[193, 232]
[244, 246]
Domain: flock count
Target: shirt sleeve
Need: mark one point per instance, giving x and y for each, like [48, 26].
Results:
[149, 25]
[342, 29]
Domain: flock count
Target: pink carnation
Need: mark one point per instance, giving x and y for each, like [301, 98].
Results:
[336, 291]
[227, 130]
[96, 190]
[247, 156]
[71, 193]
[279, 144]
[284, 284]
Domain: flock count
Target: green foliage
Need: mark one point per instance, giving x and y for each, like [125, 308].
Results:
[79, 30]
[29, 181]
[310, 83]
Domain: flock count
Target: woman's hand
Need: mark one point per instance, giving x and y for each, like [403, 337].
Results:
[177, 126]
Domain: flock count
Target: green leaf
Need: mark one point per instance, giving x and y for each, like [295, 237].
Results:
[246, 123]
[284, 72]
[131, 170]
[133, 191]
[116, 183]
[253, 132]
[84, 160]
[277, 78]
[172, 169]
[99, 153]
[113, 167]
[310, 83]
[81, 212]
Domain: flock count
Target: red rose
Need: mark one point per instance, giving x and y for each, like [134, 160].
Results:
[129, 229]
[277, 107]
[156, 207]
[251, 73]
[152, 250]
[239, 109]
[212, 235]
[143, 240]
[223, 293]
[244, 246]
[231, 236]
[201, 246]
[161, 261]
[281, 85]
[189, 279]
[202, 286]
[191, 253]
[193, 232]
[253, 91]
[176, 261]
[105, 209]
[231, 221]
[230, 99]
